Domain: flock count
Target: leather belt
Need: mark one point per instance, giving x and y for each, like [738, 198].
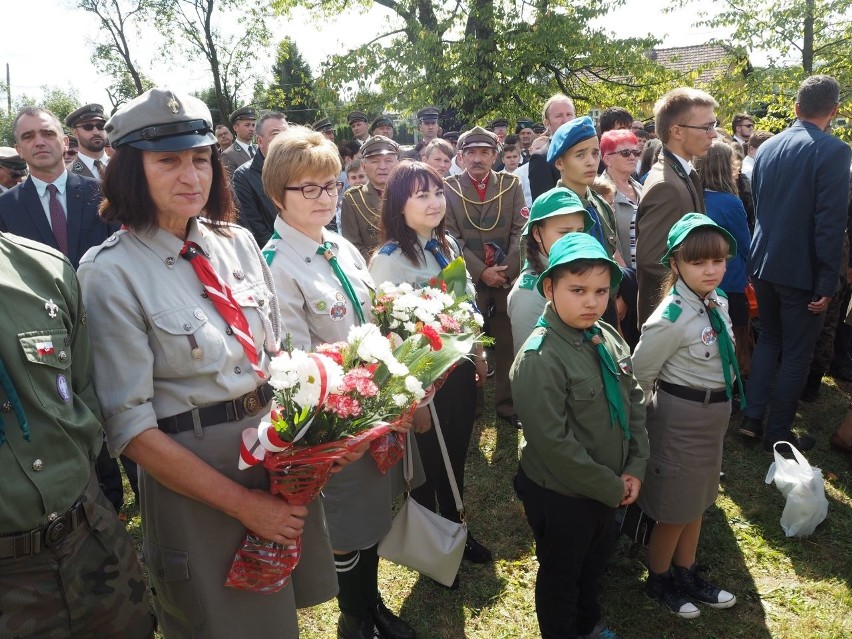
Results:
[234, 410]
[36, 540]
[694, 394]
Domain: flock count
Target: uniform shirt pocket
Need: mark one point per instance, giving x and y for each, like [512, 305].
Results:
[47, 357]
[189, 343]
[587, 390]
[702, 351]
[254, 301]
[328, 306]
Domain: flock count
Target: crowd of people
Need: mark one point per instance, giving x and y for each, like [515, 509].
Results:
[155, 268]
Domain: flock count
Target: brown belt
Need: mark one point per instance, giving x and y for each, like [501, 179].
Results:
[693, 394]
[36, 540]
[234, 410]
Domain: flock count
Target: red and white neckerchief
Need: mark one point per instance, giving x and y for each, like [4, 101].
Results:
[480, 186]
[220, 294]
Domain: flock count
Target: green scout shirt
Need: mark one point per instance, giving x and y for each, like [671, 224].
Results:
[45, 348]
[570, 445]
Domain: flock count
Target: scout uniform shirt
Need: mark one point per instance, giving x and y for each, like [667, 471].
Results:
[314, 304]
[678, 345]
[44, 347]
[360, 214]
[525, 305]
[163, 348]
[390, 264]
[570, 444]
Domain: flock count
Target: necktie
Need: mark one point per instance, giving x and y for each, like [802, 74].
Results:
[325, 251]
[726, 351]
[12, 395]
[58, 221]
[251, 150]
[610, 374]
[223, 300]
[597, 230]
[100, 168]
[434, 249]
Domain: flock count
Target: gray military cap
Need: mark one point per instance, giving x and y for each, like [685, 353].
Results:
[85, 113]
[243, 113]
[10, 159]
[162, 120]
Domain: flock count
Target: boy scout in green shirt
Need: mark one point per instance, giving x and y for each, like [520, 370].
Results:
[585, 446]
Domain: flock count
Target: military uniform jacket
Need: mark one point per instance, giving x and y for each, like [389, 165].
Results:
[233, 157]
[45, 348]
[499, 219]
[679, 346]
[666, 197]
[162, 347]
[360, 214]
[570, 445]
[79, 167]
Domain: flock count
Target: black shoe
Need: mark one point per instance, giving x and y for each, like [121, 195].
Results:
[475, 552]
[842, 369]
[693, 586]
[351, 627]
[390, 626]
[663, 589]
[802, 442]
[512, 420]
[751, 427]
[810, 393]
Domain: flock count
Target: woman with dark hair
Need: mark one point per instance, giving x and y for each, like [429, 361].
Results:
[416, 248]
[185, 319]
[724, 206]
[324, 290]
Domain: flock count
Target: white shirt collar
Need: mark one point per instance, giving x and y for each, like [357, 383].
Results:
[686, 164]
[90, 162]
[41, 185]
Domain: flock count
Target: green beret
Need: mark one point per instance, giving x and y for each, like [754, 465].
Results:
[379, 145]
[524, 124]
[243, 113]
[578, 246]
[85, 114]
[557, 201]
[686, 225]
[478, 137]
[162, 120]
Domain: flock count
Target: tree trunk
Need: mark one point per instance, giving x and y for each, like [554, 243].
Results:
[808, 44]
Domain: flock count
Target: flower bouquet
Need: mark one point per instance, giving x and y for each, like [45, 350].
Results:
[327, 403]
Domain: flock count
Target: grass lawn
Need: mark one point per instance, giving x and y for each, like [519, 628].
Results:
[798, 588]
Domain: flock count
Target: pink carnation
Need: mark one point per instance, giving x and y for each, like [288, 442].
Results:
[449, 324]
[360, 380]
[343, 405]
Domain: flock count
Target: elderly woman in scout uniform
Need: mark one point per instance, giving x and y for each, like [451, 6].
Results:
[186, 317]
[685, 362]
[361, 208]
[324, 290]
[416, 248]
[554, 213]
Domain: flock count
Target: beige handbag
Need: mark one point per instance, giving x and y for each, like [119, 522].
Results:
[420, 539]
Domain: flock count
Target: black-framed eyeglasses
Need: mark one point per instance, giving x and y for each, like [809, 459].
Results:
[90, 126]
[707, 128]
[313, 191]
[626, 153]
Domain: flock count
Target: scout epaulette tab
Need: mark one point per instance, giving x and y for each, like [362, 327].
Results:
[388, 248]
[535, 340]
[672, 312]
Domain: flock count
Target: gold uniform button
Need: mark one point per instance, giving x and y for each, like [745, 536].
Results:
[38, 465]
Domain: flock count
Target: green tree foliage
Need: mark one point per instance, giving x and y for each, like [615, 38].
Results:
[291, 89]
[59, 101]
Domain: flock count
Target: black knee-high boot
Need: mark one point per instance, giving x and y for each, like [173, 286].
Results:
[356, 596]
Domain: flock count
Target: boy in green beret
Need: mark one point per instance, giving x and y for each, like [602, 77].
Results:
[585, 446]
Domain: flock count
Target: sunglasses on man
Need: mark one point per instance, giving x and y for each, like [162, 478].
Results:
[91, 126]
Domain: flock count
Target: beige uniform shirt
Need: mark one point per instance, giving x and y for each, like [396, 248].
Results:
[161, 348]
[392, 266]
[313, 303]
[683, 350]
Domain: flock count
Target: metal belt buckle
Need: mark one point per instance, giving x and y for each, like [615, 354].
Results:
[251, 403]
[57, 528]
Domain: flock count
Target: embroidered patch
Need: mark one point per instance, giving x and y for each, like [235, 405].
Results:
[44, 348]
[321, 305]
[708, 336]
[62, 388]
[626, 366]
[528, 281]
[338, 311]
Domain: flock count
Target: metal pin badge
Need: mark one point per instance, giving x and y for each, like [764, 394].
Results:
[51, 308]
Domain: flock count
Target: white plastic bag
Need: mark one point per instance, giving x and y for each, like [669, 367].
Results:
[802, 485]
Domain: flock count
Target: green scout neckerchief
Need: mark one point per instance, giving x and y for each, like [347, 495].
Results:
[726, 350]
[325, 250]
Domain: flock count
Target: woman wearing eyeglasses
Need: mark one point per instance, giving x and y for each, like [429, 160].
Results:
[320, 301]
[620, 152]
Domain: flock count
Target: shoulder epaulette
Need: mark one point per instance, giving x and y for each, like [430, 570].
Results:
[721, 293]
[108, 243]
[672, 312]
[388, 248]
[352, 189]
[535, 340]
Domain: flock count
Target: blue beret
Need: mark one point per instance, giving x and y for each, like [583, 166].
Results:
[569, 134]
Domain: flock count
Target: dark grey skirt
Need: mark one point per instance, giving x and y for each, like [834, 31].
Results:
[682, 478]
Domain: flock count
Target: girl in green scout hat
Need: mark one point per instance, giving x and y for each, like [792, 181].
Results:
[585, 447]
[686, 348]
[554, 213]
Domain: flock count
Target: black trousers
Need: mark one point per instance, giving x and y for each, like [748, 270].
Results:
[455, 404]
[574, 537]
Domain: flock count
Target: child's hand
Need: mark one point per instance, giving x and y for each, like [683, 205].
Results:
[631, 489]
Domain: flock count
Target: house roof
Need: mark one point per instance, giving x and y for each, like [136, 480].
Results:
[711, 59]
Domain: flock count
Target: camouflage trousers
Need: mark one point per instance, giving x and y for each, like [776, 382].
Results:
[86, 586]
[825, 346]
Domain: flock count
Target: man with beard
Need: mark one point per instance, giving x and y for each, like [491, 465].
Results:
[87, 123]
[485, 212]
[361, 209]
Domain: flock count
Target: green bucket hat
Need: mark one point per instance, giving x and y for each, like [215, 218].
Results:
[557, 201]
[578, 246]
[686, 225]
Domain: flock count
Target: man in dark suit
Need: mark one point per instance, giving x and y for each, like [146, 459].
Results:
[543, 176]
[257, 212]
[242, 150]
[686, 123]
[52, 206]
[801, 190]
